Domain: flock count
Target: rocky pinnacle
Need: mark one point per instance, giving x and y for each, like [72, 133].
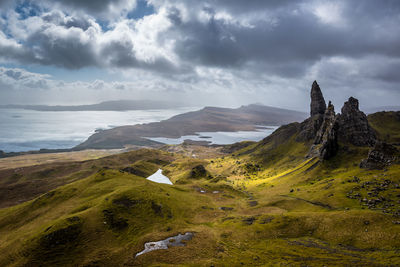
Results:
[354, 127]
[318, 105]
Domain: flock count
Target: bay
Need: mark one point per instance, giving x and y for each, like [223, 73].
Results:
[25, 130]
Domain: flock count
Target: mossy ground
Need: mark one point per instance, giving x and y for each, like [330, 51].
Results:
[271, 207]
[386, 125]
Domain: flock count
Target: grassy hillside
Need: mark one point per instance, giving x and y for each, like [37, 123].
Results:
[387, 125]
[264, 204]
[24, 183]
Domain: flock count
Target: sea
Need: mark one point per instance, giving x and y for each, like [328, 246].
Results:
[221, 138]
[27, 130]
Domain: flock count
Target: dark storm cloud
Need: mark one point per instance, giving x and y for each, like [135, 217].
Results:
[67, 51]
[287, 36]
[385, 71]
[292, 39]
[4, 3]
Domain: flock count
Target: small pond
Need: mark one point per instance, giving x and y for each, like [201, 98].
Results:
[160, 178]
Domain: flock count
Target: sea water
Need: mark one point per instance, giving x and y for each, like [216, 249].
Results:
[24, 130]
[221, 138]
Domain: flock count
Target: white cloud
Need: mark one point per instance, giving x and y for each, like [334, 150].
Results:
[244, 50]
[330, 12]
[18, 79]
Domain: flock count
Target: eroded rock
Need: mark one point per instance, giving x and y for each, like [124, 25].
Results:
[318, 105]
[380, 156]
[327, 136]
[353, 125]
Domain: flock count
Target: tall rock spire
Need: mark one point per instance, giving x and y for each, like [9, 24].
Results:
[318, 105]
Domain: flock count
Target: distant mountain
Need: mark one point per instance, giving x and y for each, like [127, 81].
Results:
[208, 119]
[116, 105]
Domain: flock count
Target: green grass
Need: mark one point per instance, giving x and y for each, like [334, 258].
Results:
[387, 125]
[285, 210]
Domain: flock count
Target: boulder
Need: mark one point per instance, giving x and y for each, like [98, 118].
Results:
[380, 156]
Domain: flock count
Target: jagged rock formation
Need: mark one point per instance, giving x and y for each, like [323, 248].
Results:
[310, 127]
[328, 129]
[354, 127]
[329, 119]
[380, 156]
[318, 105]
[327, 135]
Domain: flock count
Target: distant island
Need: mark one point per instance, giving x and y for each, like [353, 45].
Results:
[115, 105]
[208, 119]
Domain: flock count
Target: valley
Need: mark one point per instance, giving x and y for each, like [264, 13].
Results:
[299, 197]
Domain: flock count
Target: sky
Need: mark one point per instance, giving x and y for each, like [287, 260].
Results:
[210, 52]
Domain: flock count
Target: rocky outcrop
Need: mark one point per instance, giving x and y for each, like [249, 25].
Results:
[327, 135]
[310, 127]
[325, 143]
[328, 120]
[353, 125]
[327, 129]
[318, 105]
[380, 156]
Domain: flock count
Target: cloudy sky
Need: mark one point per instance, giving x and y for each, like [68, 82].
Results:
[210, 52]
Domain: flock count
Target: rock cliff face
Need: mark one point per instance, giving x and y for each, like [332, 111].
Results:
[380, 156]
[310, 127]
[354, 127]
[318, 105]
[327, 135]
[327, 129]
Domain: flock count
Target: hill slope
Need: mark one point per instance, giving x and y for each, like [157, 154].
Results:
[267, 203]
[208, 119]
[387, 125]
[238, 212]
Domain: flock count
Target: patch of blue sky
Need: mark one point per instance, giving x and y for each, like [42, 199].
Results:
[143, 8]
[27, 9]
